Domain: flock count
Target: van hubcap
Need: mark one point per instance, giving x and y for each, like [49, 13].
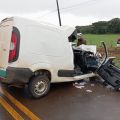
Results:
[40, 87]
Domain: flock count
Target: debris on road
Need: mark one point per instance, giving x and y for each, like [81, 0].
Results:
[83, 84]
[92, 85]
[89, 91]
[80, 84]
[80, 87]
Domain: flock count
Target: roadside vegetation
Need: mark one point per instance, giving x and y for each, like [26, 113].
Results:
[109, 39]
[101, 27]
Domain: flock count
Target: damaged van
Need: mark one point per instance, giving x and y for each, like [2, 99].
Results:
[37, 54]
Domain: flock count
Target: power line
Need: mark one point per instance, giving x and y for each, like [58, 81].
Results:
[72, 6]
[55, 10]
[65, 8]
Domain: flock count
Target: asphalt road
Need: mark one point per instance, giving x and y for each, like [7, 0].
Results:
[64, 102]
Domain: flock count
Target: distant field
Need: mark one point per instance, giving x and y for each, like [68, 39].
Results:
[109, 39]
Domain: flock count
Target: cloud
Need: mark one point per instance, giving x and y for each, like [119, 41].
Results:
[83, 13]
[69, 19]
[66, 18]
[26, 6]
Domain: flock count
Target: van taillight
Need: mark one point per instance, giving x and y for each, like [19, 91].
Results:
[14, 45]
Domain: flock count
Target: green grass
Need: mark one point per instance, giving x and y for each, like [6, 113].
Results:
[109, 39]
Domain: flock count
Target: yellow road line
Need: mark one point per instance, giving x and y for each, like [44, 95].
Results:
[19, 105]
[9, 109]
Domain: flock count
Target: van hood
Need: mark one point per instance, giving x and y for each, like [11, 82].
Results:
[68, 30]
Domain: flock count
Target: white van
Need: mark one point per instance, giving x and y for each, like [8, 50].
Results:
[37, 54]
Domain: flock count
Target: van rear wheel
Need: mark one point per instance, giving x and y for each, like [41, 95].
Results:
[39, 86]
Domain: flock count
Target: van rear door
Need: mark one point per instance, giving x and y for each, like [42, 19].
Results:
[6, 27]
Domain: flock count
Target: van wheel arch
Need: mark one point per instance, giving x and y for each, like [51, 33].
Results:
[42, 72]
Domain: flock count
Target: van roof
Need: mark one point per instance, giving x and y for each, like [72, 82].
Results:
[66, 29]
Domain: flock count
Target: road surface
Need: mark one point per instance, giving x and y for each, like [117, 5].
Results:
[64, 102]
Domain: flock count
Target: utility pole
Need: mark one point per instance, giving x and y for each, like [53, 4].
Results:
[58, 13]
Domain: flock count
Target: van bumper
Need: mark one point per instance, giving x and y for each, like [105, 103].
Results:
[14, 75]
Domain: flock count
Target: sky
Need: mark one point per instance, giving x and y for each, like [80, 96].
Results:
[73, 12]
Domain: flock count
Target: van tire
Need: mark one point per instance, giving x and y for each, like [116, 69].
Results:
[39, 86]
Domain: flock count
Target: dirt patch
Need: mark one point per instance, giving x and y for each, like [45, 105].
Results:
[111, 51]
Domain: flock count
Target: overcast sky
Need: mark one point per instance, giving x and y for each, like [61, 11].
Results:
[73, 12]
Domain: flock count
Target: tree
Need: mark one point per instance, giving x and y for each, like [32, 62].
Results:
[101, 27]
[114, 25]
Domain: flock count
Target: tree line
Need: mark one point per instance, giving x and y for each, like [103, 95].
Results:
[101, 27]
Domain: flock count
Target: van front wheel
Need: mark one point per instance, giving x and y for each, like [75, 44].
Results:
[39, 86]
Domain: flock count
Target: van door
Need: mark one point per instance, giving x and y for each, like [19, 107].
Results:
[5, 38]
[110, 73]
